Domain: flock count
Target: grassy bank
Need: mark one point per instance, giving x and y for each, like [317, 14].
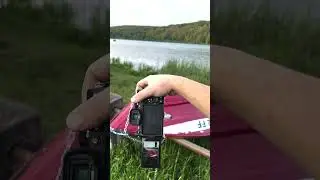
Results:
[289, 40]
[177, 162]
[42, 63]
[124, 76]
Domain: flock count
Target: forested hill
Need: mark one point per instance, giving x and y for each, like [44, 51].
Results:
[196, 32]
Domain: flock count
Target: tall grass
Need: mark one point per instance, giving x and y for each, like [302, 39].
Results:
[58, 19]
[124, 75]
[177, 162]
[43, 61]
[289, 40]
[172, 66]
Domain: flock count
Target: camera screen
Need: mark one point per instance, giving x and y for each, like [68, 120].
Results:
[150, 154]
[153, 120]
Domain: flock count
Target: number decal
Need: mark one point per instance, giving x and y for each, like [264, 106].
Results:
[203, 123]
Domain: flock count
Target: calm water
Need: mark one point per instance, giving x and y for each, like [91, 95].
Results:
[157, 53]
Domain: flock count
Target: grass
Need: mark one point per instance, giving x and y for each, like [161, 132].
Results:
[55, 19]
[177, 162]
[289, 40]
[41, 68]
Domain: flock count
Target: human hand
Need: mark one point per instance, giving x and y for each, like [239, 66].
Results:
[156, 85]
[92, 112]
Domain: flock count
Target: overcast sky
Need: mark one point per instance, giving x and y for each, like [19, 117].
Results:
[158, 12]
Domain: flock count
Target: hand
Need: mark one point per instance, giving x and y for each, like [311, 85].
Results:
[155, 85]
[93, 111]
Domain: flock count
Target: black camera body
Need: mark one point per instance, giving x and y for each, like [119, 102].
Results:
[148, 115]
[84, 164]
[89, 161]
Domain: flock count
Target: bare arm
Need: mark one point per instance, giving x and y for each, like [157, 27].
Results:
[158, 85]
[196, 93]
[280, 103]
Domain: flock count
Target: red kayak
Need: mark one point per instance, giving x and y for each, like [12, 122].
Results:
[182, 120]
[47, 163]
[240, 152]
[237, 152]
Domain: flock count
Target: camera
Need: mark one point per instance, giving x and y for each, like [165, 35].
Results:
[148, 115]
[89, 160]
[83, 164]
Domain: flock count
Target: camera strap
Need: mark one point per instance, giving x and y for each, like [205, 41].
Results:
[125, 131]
[128, 119]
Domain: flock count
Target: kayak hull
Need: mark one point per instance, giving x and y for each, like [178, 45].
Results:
[237, 152]
[240, 152]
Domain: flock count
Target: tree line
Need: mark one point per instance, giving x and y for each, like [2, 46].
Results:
[196, 32]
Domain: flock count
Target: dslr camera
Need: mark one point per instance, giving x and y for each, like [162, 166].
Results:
[148, 115]
[89, 160]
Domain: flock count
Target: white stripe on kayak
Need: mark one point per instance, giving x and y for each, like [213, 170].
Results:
[188, 127]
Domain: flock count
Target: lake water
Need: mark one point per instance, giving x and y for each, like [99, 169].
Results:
[157, 53]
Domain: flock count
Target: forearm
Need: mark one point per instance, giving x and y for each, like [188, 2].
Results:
[281, 104]
[196, 93]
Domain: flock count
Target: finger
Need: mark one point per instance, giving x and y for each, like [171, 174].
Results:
[90, 113]
[96, 72]
[100, 68]
[172, 93]
[138, 88]
[147, 92]
[142, 84]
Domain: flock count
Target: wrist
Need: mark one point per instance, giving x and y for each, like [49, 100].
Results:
[176, 82]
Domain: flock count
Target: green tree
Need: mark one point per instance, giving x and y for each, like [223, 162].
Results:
[196, 32]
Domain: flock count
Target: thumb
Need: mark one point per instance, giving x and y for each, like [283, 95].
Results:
[90, 113]
[147, 92]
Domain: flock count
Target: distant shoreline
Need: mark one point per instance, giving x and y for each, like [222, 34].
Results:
[194, 33]
[177, 42]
